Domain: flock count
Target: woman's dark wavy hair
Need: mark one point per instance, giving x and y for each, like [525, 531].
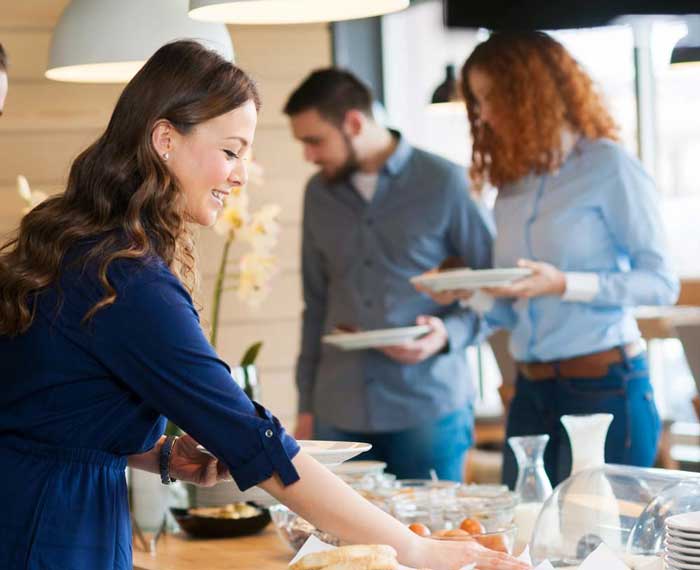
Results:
[120, 196]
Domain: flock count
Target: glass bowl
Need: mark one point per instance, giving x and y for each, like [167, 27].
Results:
[492, 506]
[495, 513]
[422, 485]
[487, 491]
[293, 530]
[500, 540]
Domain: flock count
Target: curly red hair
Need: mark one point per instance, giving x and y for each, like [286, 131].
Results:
[539, 90]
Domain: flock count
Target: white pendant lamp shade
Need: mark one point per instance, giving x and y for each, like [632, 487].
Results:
[290, 11]
[107, 41]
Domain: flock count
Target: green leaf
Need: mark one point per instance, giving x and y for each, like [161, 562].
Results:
[251, 354]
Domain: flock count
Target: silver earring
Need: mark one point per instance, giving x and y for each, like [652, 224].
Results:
[166, 156]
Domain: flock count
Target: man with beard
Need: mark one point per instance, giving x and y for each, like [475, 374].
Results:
[378, 212]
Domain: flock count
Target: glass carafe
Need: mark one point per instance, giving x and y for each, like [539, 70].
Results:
[532, 486]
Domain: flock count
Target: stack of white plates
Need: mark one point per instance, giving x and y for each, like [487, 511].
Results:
[682, 545]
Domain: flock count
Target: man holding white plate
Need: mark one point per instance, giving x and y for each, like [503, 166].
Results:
[377, 213]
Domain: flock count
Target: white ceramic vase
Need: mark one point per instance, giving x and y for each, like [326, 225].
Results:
[592, 512]
[587, 434]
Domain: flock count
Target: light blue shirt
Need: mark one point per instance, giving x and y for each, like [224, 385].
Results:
[357, 259]
[598, 215]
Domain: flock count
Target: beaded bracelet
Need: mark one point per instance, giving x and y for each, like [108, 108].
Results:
[166, 451]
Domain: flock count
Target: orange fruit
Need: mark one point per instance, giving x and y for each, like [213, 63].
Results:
[494, 542]
[419, 529]
[472, 526]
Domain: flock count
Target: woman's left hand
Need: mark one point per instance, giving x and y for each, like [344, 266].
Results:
[189, 464]
[544, 280]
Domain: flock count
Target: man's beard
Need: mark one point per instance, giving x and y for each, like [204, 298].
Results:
[350, 165]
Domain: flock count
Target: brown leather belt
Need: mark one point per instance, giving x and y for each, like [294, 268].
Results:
[594, 365]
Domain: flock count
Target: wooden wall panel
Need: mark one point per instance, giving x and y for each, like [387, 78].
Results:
[280, 337]
[43, 157]
[282, 52]
[43, 105]
[28, 52]
[29, 14]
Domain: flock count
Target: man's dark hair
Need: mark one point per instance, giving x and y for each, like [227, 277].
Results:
[3, 59]
[332, 92]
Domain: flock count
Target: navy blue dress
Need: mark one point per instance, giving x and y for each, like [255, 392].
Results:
[77, 398]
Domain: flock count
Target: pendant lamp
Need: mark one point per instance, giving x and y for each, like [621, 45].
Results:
[107, 41]
[290, 11]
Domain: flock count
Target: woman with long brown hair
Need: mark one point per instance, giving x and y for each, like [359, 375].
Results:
[99, 340]
[582, 215]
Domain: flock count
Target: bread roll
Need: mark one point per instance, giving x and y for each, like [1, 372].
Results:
[319, 560]
[366, 563]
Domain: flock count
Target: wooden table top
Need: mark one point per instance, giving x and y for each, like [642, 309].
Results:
[177, 552]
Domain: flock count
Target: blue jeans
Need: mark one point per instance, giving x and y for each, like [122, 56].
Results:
[410, 454]
[624, 392]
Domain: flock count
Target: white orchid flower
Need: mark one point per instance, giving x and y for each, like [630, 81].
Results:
[263, 231]
[31, 197]
[235, 216]
[256, 270]
[23, 188]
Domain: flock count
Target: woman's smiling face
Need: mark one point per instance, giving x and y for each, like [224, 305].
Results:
[210, 160]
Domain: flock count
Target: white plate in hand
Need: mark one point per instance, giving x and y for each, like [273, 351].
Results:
[376, 338]
[328, 453]
[451, 279]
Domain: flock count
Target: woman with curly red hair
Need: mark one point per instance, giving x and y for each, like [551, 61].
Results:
[582, 215]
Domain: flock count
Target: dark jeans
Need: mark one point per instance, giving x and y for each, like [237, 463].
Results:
[410, 454]
[625, 392]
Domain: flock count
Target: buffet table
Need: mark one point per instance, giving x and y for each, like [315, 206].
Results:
[177, 552]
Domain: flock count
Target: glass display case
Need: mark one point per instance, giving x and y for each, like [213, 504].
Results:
[623, 506]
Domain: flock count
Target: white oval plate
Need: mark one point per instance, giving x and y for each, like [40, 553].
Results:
[688, 522]
[331, 453]
[328, 453]
[687, 535]
[376, 338]
[672, 544]
[676, 540]
[690, 558]
[360, 467]
[680, 565]
[451, 279]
